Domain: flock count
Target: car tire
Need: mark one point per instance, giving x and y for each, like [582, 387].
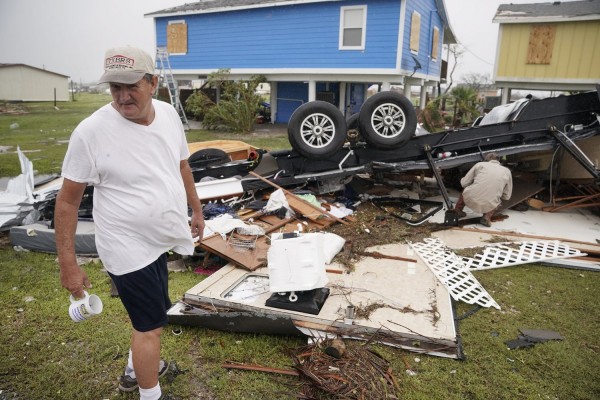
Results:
[317, 130]
[387, 120]
[207, 157]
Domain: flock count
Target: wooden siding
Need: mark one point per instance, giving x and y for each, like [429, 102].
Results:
[295, 36]
[575, 53]
[430, 67]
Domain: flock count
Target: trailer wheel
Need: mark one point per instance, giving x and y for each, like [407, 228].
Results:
[317, 130]
[207, 157]
[387, 119]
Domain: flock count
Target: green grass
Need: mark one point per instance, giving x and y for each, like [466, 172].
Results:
[44, 355]
[43, 132]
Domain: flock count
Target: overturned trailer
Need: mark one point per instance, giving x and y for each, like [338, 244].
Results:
[328, 150]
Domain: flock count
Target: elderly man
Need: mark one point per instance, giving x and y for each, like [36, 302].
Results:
[485, 186]
[134, 152]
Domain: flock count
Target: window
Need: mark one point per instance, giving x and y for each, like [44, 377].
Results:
[177, 37]
[415, 31]
[435, 41]
[353, 27]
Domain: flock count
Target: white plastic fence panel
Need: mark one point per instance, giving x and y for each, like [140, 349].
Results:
[506, 255]
[452, 273]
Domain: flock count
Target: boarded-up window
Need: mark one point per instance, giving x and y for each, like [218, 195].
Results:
[435, 41]
[541, 43]
[415, 31]
[353, 26]
[177, 37]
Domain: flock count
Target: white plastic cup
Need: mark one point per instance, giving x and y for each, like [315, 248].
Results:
[84, 308]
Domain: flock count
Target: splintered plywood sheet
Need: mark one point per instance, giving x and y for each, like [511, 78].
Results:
[401, 297]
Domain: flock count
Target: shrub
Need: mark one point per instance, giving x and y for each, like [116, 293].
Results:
[197, 105]
[237, 108]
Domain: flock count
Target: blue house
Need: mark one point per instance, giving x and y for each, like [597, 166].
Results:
[309, 49]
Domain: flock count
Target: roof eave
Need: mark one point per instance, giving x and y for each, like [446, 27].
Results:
[173, 12]
[539, 19]
[449, 37]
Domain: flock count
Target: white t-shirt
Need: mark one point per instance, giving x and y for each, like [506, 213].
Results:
[140, 204]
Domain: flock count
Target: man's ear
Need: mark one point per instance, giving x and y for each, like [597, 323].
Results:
[154, 83]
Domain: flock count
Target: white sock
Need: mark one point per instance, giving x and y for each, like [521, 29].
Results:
[129, 368]
[151, 394]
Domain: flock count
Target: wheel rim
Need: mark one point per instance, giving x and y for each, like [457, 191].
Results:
[317, 130]
[388, 120]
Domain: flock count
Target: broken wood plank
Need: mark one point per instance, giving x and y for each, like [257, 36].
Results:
[254, 367]
[248, 258]
[515, 234]
[376, 254]
[254, 258]
[307, 210]
[299, 199]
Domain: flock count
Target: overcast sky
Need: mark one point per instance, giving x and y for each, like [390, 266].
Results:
[70, 36]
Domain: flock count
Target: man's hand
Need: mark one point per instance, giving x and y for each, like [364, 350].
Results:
[197, 225]
[74, 279]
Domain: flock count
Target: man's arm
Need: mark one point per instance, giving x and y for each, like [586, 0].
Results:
[469, 177]
[507, 192]
[72, 276]
[197, 223]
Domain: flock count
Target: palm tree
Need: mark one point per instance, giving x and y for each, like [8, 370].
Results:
[465, 101]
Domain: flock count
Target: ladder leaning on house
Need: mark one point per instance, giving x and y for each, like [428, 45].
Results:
[166, 78]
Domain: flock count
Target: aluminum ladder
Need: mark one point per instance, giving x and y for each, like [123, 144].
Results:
[166, 79]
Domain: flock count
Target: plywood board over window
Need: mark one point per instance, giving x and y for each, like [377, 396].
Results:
[177, 38]
[541, 43]
[415, 31]
[435, 42]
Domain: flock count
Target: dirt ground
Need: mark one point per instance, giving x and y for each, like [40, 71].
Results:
[375, 227]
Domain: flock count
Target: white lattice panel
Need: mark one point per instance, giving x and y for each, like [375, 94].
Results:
[452, 273]
[503, 255]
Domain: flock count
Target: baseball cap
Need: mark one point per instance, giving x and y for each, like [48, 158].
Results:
[126, 65]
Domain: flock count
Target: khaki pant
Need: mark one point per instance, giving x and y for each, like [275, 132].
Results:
[460, 204]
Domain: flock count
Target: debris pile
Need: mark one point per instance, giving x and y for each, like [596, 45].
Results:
[357, 373]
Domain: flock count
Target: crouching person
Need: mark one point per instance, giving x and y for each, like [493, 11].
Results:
[485, 186]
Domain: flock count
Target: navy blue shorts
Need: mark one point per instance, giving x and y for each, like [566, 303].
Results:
[145, 295]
